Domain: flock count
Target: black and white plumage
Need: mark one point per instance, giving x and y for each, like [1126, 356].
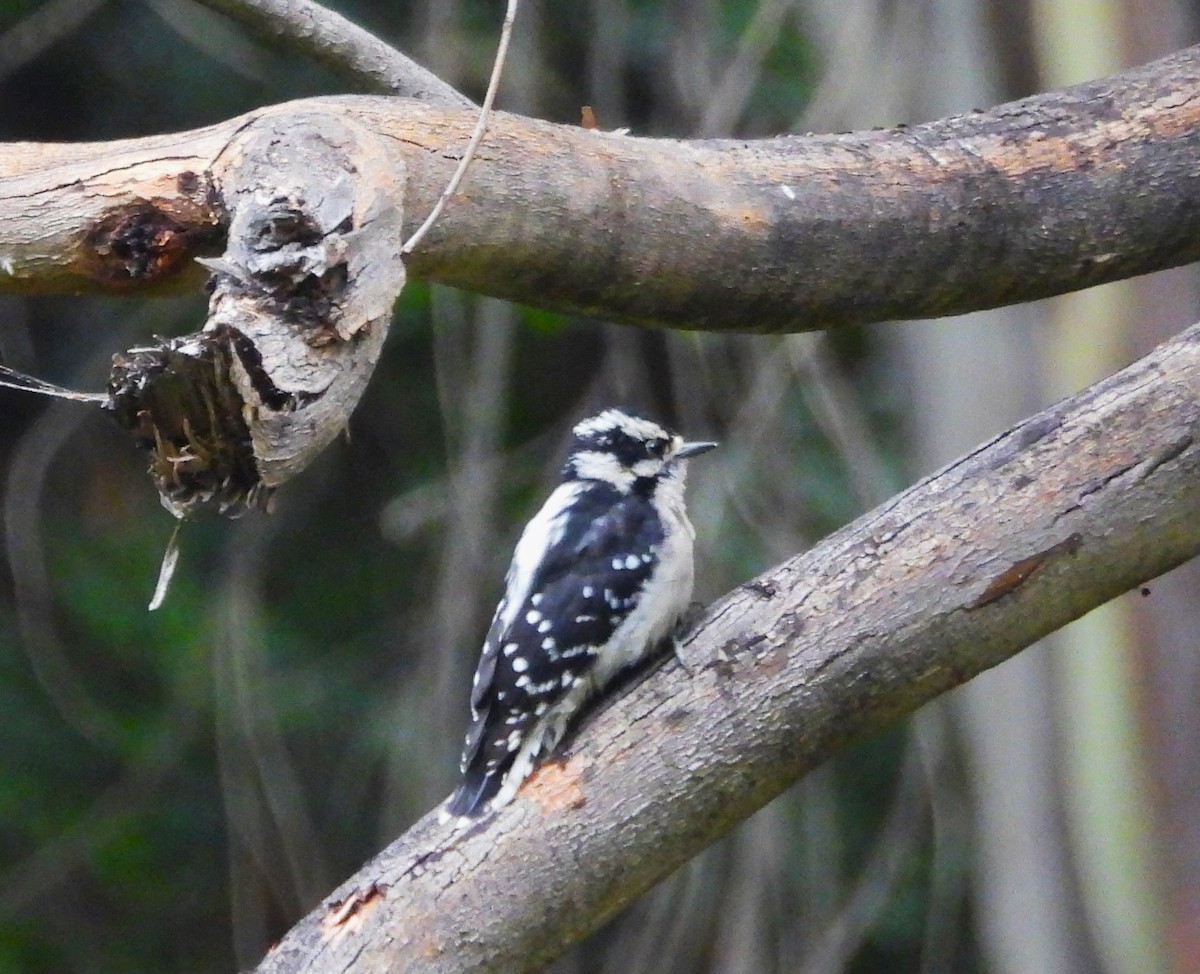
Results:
[601, 575]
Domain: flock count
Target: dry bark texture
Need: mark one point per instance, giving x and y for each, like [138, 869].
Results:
[1068, 509]
[1057, 192]
[319, 34]
[303, 293]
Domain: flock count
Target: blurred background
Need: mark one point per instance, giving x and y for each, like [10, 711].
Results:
[177, 788]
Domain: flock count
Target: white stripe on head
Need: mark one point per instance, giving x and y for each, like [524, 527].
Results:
[614, 419]
[597, 465]
[654, 467]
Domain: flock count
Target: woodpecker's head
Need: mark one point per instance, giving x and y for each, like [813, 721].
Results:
[626, 450]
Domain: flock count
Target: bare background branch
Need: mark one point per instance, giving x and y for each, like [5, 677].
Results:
[317, 33]
[24, 41]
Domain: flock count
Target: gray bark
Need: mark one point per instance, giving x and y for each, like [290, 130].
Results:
[1066, 510]
[1050, 194]
[314, 32]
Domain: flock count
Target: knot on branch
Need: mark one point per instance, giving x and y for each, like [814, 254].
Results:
[299, 308]
[289, 245]
[149, 240]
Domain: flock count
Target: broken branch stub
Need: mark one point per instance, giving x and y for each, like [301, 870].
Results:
[300, 306]
[178, 401]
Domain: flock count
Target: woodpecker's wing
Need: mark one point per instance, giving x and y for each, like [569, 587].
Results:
[551, 625]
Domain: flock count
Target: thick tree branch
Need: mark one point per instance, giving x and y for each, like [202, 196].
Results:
[1058, 515]
[1050, 194]
[328, 38]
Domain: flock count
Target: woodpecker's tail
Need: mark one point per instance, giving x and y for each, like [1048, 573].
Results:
[477, 788]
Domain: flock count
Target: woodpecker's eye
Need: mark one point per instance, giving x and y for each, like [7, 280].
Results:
[657, 447]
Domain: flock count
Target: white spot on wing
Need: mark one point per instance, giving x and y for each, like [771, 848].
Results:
[520, 664]
[787, 191]
[545, 625]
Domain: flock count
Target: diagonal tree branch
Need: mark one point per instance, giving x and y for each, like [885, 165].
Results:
[328, 38]
[1050, 194]
[1077, 504]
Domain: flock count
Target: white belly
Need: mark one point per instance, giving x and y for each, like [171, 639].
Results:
[662, 602]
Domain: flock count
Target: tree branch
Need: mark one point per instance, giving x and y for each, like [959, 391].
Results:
[1083, 501]
[320, 34]
[300, 306]
[1053, 193]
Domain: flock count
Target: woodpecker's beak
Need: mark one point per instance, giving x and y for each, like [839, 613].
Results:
[692, 450]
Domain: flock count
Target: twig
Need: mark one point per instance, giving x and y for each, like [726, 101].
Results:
[329, 38]
[481, 125]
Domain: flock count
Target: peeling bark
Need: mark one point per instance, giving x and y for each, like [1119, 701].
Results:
[1086, 500]
[305, 287]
